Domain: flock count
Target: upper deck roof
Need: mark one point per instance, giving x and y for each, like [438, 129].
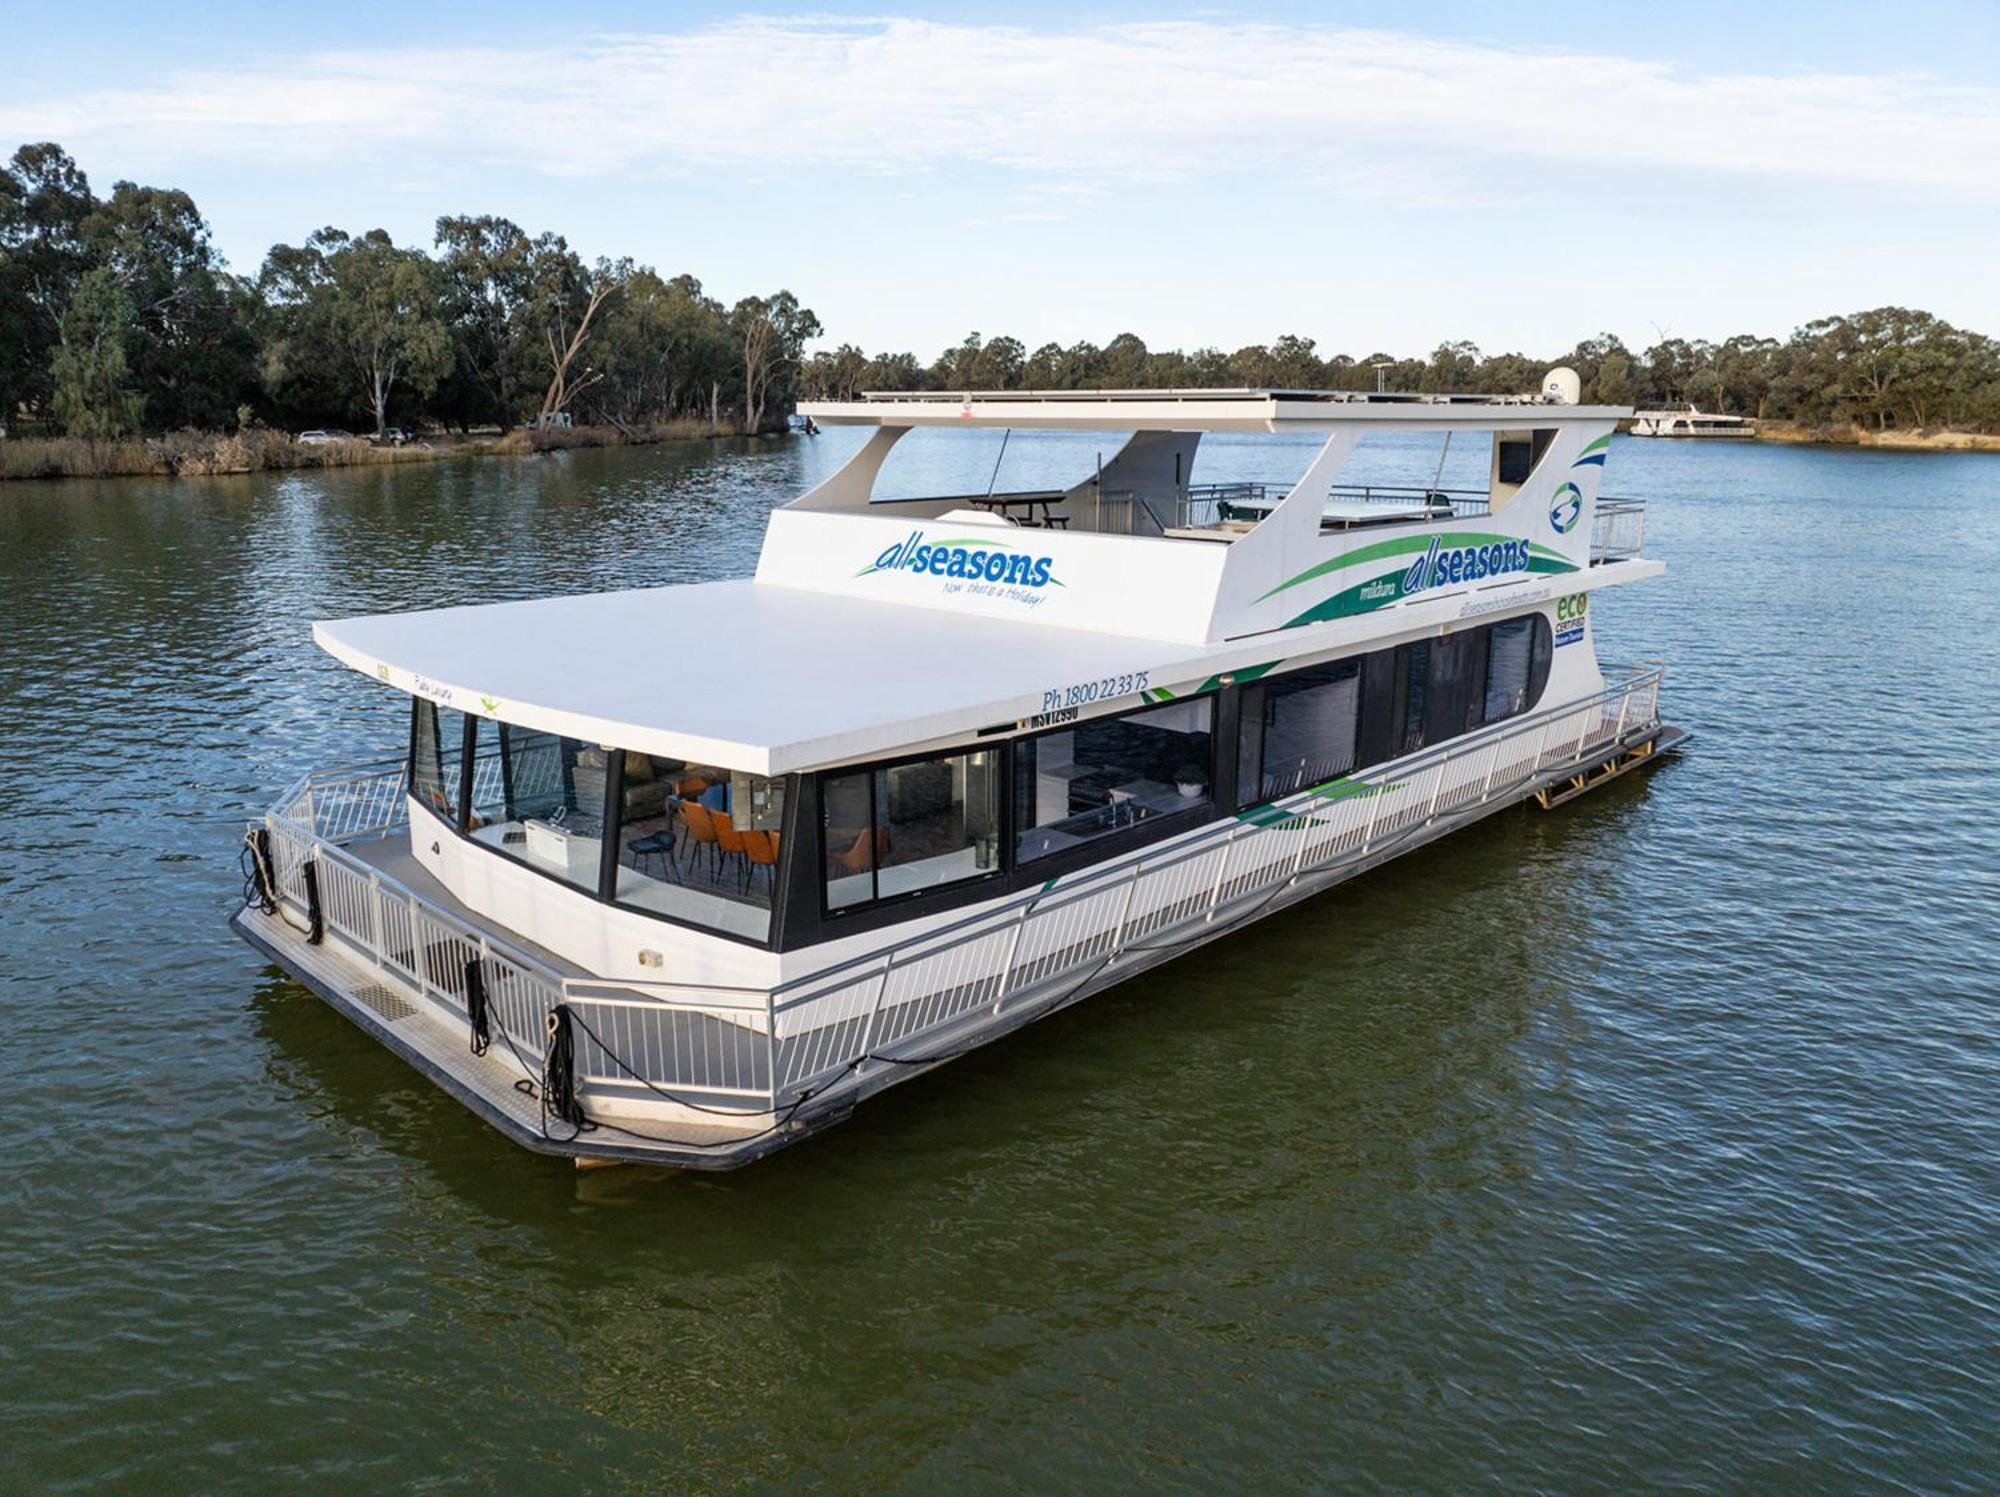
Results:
[1199, 410]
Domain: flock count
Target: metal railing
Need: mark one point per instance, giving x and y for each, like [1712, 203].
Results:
[1209, 506]
[1618, 530]
[759, 1050]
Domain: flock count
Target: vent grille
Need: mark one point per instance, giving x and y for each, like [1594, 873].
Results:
[391, 1005]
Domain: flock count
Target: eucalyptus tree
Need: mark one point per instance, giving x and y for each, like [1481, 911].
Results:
[483, 262]
[771, 332]
[90, 373]
[356, 319]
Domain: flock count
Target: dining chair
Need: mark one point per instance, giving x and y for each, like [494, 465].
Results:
[761, 848]
[730, 845]
[700, 832]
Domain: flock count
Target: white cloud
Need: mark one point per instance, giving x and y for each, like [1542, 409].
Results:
[1377, 114]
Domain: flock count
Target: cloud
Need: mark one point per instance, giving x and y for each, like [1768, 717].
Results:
[1373, 114]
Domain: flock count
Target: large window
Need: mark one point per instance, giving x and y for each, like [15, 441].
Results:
[901, 828]
[1311, 725]
[437, 743]
[533, 800]
[1299, 729]
[1517, 661]
[697, 842]
[1079, 784]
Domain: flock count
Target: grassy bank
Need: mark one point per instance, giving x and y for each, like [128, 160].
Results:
[1927, 439]
[185, 454]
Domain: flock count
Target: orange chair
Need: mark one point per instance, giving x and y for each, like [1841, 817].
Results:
[866, 851]
[730, 844]
[762, 850]
[701, 830]
[691, 787]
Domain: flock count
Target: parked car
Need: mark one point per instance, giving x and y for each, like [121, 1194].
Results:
[317, 438]
[394, 436]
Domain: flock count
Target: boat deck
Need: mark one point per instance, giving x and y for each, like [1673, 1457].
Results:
[391, 857]
[490, 1084]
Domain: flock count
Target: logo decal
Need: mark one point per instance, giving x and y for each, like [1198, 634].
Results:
[1420, 563]
[1567, 508]
[966, 559]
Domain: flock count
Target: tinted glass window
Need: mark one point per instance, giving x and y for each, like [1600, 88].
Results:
[1415, 693]
[1509, 654]
[696, 842]
[437, 745]
[902, 828]
[1100, 777]
[1306, 729]
[530, 801]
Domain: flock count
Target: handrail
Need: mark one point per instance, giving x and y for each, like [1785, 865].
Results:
[759, 1044]
[1095, 879]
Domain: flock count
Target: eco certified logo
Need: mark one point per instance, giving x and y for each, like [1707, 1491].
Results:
[1567, 508]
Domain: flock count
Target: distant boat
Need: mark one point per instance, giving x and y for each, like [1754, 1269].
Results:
[1686, 421]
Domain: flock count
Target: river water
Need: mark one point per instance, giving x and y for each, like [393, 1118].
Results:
[1655, 1141]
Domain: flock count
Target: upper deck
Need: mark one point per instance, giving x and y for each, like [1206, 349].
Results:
[873, 622]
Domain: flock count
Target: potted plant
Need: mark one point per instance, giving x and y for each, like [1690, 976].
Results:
[1191, 780]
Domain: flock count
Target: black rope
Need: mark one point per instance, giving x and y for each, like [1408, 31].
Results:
[260, 885]
[559, 1072]
[475, 1006]
[260, 880]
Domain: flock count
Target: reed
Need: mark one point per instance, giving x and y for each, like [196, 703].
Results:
[187, 454]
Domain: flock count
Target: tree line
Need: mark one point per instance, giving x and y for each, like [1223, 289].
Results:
[118, 315]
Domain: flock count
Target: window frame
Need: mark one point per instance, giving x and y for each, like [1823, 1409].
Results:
[1002, 864]
[460, 827]
[1118, 838]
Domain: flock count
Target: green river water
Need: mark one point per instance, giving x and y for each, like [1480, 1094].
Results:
[1654, 1142]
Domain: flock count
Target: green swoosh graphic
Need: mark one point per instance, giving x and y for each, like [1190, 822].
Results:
[1457, 540]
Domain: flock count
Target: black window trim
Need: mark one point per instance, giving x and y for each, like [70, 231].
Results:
[1397, 706]
[870, 768]
[462, 829]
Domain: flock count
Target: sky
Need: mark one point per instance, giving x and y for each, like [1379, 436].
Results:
[1371, 176]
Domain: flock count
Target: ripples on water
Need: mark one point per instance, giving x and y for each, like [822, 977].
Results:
[1652, 1141]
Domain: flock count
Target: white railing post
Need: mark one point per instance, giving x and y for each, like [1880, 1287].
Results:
[875, 1014]
[771, 1047]
[1437, 784]
[1125, 909]
[377, 942]
[1492, 767]
[1381, 793]
[1013, 951]
[1542, 747]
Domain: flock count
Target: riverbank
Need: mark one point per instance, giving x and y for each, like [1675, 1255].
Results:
[191, 454]
[1799, 433]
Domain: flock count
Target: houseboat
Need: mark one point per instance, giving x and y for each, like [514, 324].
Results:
[1686, 421]
[682, 874]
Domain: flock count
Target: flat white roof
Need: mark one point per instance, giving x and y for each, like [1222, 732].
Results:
[1198, 410]
[744, 674]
